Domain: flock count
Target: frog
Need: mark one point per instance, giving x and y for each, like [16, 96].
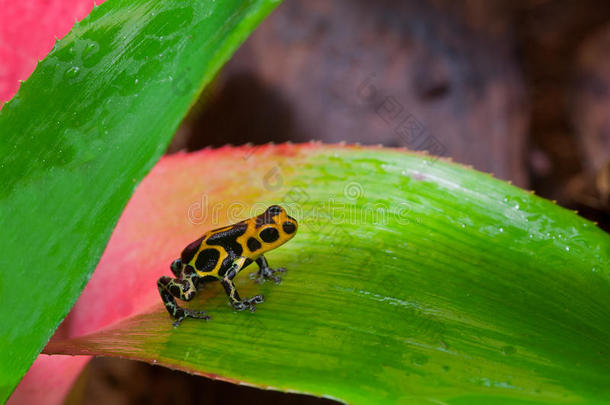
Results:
[220, 255]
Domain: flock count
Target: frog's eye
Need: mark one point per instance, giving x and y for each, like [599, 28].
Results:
[289, 227]
[176, 264]
[274, 210]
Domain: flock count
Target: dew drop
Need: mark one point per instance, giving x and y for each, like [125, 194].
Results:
[567, 248]
[419, 359]
[90, 50]
[501, 229]
[72, 72]
[508, 350]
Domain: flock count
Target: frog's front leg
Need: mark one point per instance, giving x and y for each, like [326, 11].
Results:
[229, 286]
[183, 288]
[265, 272]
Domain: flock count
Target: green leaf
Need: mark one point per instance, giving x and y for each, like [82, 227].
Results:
[410, 280]
[83, 130]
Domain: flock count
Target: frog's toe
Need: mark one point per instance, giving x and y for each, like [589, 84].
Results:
[257, 299]
[198, 315]
[277, 279]
[257, 277]
[268, 274]
[248, 303]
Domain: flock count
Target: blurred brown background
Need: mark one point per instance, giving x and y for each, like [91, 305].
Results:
[517, 88]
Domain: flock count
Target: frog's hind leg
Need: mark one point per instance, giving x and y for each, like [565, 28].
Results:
[183, 288]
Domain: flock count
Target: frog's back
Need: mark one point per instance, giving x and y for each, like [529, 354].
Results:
[215, 250]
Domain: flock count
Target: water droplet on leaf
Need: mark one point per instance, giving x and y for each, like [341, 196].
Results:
[72, 72]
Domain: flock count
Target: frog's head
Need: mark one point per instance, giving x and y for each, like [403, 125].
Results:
[274, 227]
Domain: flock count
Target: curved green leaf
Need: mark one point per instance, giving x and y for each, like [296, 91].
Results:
[410, 280]
[83, 130]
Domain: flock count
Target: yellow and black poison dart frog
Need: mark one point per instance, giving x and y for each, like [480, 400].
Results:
[221, 254]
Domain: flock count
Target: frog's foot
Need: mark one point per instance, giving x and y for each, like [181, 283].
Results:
[248, 303]
[263, 275]
[183, 313]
